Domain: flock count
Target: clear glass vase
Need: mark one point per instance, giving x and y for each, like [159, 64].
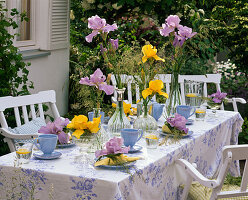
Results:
[101, 136]
[213, 106]
[145, 121]
[86, 147]
[175, 98]
[119, 120]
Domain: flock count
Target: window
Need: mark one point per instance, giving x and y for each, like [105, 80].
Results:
[48, 25]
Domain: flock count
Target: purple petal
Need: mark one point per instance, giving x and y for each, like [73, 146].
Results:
[215, 100]
[96, 23]
[97, 77]
[114, 43]
[109, 28]
[63, 137]
[89, 37]
[166, 30]
[108, 89]
[86, 81]
[102, 49]
[173, 21]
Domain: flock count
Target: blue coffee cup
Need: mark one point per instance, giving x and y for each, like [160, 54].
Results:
[46, 143]
[131, 136]
[90, 116]
[185, 111]
[157, 110]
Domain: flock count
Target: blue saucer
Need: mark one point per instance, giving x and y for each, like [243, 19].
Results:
[135, 149]
[189, 121]
[51, 156]
[171, 135]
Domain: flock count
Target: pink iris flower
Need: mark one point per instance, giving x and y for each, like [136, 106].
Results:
[184, 33]
[172, 22]
[97, 79]
[179, 122]
[113, 146]
[218, 97]
[56, 127]
[98, 25]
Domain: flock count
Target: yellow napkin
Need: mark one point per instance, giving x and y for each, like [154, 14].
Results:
[119, 160]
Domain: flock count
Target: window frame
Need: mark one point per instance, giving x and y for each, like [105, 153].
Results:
[25, 44]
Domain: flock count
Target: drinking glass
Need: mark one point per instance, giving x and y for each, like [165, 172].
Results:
[200, 113]
[23, 152]
[152, 139]
[193, 93]
[214, 106]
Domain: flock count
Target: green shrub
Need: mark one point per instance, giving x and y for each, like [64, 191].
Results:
[243, 136]
[13, 71]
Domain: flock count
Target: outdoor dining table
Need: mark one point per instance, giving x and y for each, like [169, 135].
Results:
[155, 176]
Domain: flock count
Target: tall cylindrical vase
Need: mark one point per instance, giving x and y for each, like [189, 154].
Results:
[119, 120]
[175, 98]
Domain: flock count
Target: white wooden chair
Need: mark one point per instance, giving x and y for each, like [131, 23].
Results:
[208, 78]
[24, 101]
[229, 154]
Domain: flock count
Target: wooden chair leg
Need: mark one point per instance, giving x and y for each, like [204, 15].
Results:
[187, 188]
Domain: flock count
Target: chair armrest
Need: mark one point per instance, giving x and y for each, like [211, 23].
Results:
[6, 133]
[240, 100]
[195, 174]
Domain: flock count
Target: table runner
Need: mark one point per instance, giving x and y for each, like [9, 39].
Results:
[154, 177]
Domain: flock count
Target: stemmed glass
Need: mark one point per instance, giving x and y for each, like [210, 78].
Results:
[213, 106]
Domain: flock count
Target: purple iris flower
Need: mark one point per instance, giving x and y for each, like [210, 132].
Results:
[183, 34]
[114, 43]
[179, 122]
[56, 127]
[98, 79]
[218, 96]
[113, 146]
[98, 25]
[172, 22]
[102, 49]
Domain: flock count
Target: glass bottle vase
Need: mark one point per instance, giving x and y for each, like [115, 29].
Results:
[119, 120]
[175, 98]
[102, 136]
[145, 121]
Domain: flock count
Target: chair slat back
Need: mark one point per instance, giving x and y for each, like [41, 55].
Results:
[24, 101]
[17, 116]
[32, 108]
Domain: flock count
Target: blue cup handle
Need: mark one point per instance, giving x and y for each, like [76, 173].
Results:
[36, 143]
[192, 112]
[141, 134]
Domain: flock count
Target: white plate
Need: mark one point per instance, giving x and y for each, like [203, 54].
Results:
[171, 135]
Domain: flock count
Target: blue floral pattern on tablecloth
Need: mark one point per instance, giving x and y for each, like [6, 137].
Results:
[154, 177]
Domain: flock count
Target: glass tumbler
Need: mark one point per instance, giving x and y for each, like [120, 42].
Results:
[23, 152]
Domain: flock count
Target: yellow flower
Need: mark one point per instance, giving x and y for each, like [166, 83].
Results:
[126, 108]
[77, 133]
[155, 86]
[150, 52]
[93, 126]
[78, 122]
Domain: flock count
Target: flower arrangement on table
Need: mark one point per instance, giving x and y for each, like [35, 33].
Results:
[128, 109]
[113, 154]
[176, 127]
[58, 127]
[215, 100]
[178, 35]
[82, 127]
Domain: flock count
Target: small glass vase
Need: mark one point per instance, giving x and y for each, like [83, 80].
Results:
[175, 98]
[214, 106]
[119, 120]
[101, 136]
[85, 144]
[145, 121]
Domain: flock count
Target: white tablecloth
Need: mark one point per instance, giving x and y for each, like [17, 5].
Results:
[154, 177]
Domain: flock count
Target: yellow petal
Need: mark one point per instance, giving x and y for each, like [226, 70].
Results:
[158, 58]
[144, 59]
[71, 125]
[113, 105]
[146, 93]
[156, 85]
[163, 94]
[77, 133]
[94, 125]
